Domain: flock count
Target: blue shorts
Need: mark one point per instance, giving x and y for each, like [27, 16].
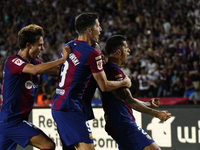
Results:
[132, 138]
[73, 127]
[16, 131]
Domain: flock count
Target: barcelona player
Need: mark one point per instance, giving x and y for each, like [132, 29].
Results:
[68, 110]
[20, 82]
[118, 104]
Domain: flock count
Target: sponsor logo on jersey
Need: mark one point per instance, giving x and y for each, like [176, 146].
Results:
[98, 57]
[99, 64]
[60, 91]
[18, 61]
[28, 84]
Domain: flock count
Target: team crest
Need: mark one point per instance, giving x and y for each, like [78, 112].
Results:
[29, 84]
[99, 64]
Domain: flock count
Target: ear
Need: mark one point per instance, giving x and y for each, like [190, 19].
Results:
[28, 45]
[118, 52]
[89, 30]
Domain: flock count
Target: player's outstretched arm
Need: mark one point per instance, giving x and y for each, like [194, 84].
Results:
[125, 95]
[47, 68]
[106, 85]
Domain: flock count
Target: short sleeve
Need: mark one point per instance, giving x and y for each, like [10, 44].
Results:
[116, 74]
[16, 65]
[95, 62]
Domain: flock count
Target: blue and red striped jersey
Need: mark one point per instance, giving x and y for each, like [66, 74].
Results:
[19, 89]
[74, 77]
[117, 113]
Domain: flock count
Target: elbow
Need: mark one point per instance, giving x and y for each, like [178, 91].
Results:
[104, 89]
[34, 71]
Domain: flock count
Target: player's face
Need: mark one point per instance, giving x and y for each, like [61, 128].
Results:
[96, 31]
[125, 52]
[36, 48]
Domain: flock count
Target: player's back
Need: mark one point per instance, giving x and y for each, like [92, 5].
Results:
[74, 76]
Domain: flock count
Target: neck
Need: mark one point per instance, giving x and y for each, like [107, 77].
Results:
[85, 38]
[114, 60]
[24, 54]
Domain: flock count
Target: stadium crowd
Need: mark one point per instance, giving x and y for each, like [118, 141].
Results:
[163, 35]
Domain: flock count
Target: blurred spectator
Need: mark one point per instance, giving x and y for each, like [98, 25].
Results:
[144, 84]
[164, 85]
[189, 89]
[195, 76]
[154, 29]
[41, 100]
[135, 84]
[176, 85]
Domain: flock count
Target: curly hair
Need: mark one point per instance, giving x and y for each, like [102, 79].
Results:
[29, 34]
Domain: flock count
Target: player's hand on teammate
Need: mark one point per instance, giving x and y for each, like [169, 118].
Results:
[154, 102]
[164, 115]
[128, 81]
[66, 51]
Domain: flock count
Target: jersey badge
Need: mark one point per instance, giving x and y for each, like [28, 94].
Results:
[99, 64]
[18, 61]
[90, 136]
[118, 76]
[98, 57]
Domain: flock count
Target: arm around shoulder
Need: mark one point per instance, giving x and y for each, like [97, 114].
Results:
[106, 85]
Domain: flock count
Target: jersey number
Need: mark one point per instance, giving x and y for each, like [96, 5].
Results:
[63, 73]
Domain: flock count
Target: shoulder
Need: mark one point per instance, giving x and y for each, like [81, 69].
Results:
[14, 60]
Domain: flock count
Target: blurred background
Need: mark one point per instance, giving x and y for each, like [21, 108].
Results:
[163, 36]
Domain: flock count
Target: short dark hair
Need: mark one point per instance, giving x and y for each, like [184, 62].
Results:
[113, 43]
[29, 34]
[84, 21]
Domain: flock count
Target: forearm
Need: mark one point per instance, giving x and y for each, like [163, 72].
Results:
[106, 85]
[43, 68]
[141, 107]
[113, 85]
[49, 67]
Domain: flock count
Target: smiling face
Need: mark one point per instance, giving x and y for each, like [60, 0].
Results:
[36, 48]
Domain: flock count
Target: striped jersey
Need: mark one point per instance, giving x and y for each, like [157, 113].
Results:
[74, 77]
[117, 113]
[19, 89]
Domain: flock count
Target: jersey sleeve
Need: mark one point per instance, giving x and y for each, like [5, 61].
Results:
[16, 65]
[38, 61]
[116, 74]
[95, 62]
